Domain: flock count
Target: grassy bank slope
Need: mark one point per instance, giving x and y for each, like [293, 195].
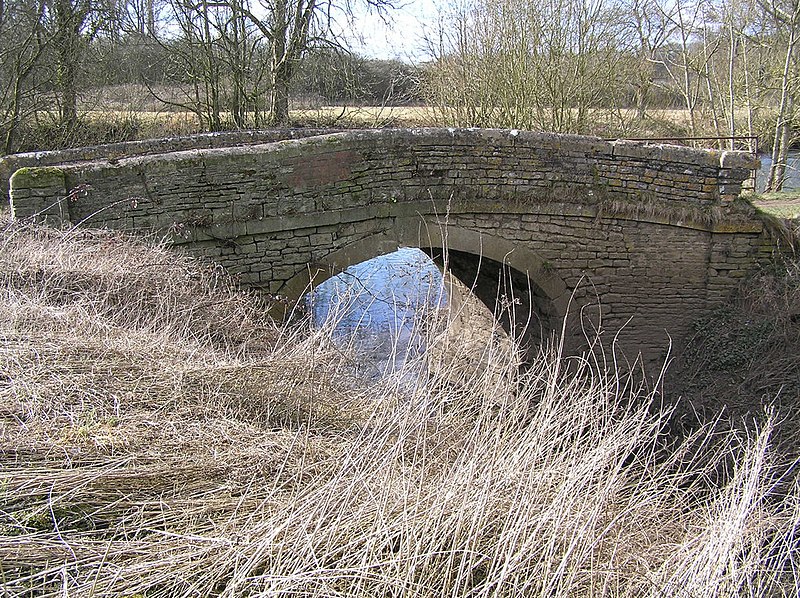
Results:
[747, 354]
[160, 438]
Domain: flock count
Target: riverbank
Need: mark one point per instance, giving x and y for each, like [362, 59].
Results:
[160, 437]
[785, 205]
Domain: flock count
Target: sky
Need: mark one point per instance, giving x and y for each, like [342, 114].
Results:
[400, 34]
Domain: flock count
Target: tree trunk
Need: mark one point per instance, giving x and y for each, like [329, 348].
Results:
[11, 133]
[151, 18]
[16, 115]
[687, 91]
[279, 95]
[68, 23]
[776, 170]
[238, 40]
[751, 143]
[731, 91]
[279, 104]
[211, 73]
[783, 152]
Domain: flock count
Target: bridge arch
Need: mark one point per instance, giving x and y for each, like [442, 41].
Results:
[655, 227]
[526, 295]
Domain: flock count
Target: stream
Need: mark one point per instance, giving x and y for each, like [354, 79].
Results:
[379, 307]
[792, 182]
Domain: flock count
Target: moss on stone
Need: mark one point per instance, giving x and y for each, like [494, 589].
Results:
[37, 177]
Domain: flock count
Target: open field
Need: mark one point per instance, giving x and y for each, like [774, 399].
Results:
[161, 437]
[112, 123]
[128, 112]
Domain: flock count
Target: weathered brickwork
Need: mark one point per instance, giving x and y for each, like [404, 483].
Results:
[647, 232]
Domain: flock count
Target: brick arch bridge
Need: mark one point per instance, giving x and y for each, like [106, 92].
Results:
[638, 238]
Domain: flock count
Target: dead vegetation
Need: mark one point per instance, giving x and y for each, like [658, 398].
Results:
[159, 437]
[745, 356]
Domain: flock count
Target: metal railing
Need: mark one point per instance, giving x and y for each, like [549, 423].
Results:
[750, 140]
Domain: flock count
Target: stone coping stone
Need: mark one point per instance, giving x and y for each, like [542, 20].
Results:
[556, 141]
[244, 142]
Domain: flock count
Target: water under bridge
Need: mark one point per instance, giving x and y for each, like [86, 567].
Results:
[635, 239]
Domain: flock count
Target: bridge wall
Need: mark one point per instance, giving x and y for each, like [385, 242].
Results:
[648, 232]
[346, 170]
[125, 149]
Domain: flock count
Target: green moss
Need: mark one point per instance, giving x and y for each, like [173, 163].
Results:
[37, 178]
[72, 518]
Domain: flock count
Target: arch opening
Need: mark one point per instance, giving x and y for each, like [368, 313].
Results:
[387, 307]
[381, 307]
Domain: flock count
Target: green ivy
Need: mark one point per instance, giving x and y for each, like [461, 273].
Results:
[728, 340]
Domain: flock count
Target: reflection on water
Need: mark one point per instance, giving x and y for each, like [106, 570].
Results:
[378, 306]
[792, 181]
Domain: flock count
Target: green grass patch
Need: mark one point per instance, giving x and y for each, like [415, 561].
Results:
[783, 204]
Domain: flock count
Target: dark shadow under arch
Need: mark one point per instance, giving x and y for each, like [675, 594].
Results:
[521, 308]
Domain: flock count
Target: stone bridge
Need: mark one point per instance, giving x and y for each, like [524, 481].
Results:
[634, 239]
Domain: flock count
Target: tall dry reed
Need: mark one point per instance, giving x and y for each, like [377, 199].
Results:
[160, 437]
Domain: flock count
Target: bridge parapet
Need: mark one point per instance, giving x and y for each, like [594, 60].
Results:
[126, 149]
[360, 168]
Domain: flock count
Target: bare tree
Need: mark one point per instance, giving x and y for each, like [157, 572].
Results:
[548, 65]
[787, 20]
[292, 28]
[73, 25]
[23, 42]
[218, 62]
[649, 25]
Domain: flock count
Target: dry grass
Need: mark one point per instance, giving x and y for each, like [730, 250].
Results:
[160, 438]
[366, 116]
[129, 112]
[606, 122]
